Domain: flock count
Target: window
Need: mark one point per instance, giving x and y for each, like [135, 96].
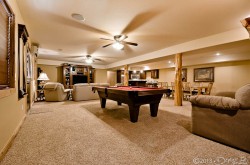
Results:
[7, 45]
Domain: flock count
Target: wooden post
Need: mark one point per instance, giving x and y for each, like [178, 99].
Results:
[178, 80]
[126, 75]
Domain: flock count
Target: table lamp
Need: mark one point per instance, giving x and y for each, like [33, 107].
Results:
[42, 77]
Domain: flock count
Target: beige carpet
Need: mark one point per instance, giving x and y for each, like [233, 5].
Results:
[82, 133]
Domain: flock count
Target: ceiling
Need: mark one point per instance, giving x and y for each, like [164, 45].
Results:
[160, 27]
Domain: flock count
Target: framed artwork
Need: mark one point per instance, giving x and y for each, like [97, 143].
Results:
[204, 74]
[184, 75]
[22, 54]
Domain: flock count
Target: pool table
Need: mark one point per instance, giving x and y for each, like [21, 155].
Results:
[133, 96]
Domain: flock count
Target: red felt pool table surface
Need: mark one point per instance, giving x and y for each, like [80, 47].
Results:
[133, 96]
[134, 88]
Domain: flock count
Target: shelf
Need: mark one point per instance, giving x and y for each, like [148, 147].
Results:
[71, 73]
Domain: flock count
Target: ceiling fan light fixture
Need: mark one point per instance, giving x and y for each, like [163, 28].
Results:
[89, 61]
[118, 45]
[119, 42]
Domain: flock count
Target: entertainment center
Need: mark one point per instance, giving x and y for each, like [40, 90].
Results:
[73, 74]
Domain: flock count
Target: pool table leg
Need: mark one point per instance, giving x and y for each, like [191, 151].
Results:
[103, 102]
[134, 112]
[154, 109]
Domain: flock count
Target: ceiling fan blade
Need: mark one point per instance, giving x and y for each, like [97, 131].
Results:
[131, 43]
[105, 57]
[77, 24]
[141, 19]
[123, 37]
[71, 56]
[107, 45]
[97, 59]
[106, 39]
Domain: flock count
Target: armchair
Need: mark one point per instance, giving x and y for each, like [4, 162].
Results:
[83, 91]
[54, 91]
[223, 119]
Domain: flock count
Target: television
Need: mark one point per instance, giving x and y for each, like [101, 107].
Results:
[80, 79]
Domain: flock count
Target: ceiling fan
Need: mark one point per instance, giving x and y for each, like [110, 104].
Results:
[89, 59]
[118, 42]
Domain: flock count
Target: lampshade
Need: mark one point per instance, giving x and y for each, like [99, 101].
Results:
[43, 76]
[118, 45]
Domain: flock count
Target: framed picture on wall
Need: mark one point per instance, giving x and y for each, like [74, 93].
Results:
[204, 74]
[184, 75]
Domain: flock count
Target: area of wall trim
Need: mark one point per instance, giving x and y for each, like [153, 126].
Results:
[11, 139]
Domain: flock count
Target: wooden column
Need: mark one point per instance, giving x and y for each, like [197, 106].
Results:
[126, 78]
[178, 80]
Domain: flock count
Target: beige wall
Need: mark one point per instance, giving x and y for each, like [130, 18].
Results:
[111, 77]
[53, 72]
[228, 76]
[12, 110]
[101, 76]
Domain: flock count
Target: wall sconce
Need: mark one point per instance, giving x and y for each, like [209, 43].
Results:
[246, 23]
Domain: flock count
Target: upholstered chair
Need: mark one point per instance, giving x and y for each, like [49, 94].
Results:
[83, 91]
[209, 88]
[222, 118]
[54, 91]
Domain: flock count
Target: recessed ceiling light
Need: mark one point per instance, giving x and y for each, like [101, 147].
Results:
[78, 17]
[217, 54]
[169, 62]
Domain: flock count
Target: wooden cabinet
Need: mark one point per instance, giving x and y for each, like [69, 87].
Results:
[118, 76]
[155, 73]
[73, 74]
[143, 75]
[137, 75]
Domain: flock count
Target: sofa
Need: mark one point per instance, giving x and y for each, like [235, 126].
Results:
[83, 91]
[54, 91]
[222, 118]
